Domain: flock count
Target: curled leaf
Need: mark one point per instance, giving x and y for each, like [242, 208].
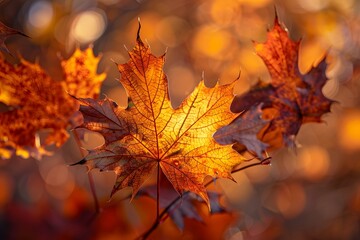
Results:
[5, 32]
[291, 98]
[244, 130]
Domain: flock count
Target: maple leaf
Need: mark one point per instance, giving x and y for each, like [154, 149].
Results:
[150, 135]
[81, 78]
[185, 208]
[243, 130]
[36, 102]
[5, 32]
[291, 98]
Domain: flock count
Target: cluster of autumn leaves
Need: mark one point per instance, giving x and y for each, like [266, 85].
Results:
[205, 136]
[36, 102]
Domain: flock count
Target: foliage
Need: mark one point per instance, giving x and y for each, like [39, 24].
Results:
[149, 134]
[291, 99]
[211, 135]
[36, 102]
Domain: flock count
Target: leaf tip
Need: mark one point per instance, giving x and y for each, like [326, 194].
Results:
[238, 76]
[266, 161]
[113, 191]
[81, 162]
[205, 197]
[276, 16]
[111, 59]
[138, 38]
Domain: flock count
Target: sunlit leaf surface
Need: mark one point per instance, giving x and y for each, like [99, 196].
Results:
[149, 134]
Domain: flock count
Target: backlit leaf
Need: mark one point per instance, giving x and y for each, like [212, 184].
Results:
[150, 135]
[291, 98]
[36, 102]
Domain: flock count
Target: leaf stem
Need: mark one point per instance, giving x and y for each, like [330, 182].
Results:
[89, 174]
[160, 217]
[93, 192]
[158, 193]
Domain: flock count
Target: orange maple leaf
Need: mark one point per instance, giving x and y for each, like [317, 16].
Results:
[291, 99]
[36, 102]
[150, 135]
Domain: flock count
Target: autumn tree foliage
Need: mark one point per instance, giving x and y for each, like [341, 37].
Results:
[211, 134]
[36, 102]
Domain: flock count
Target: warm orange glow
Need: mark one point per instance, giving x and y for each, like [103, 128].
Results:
[255, 3]
[290, 199]
[180, 88]
[311, 52]
[250, 62]
[314, 162]
[212, 42]
[231, 189]
[225, 12]
[149, 21]
[349, 131]
[171, 31]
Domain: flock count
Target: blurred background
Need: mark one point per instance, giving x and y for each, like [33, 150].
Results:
[310, 193]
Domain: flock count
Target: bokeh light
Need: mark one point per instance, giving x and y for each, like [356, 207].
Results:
[182, 82]
[88, 26]
[316, 5]
[212, 42]
[40, 16]
[349, 130]
[172, 31]
[314, 163]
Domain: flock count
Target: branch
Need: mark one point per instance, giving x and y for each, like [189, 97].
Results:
[161, 216]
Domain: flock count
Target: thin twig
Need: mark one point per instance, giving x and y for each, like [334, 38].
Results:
[158, 193]
[160, 217]
[93, 192]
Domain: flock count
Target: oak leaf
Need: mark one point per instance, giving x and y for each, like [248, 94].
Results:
[291, 98]
[36, 102]
[150, 135]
